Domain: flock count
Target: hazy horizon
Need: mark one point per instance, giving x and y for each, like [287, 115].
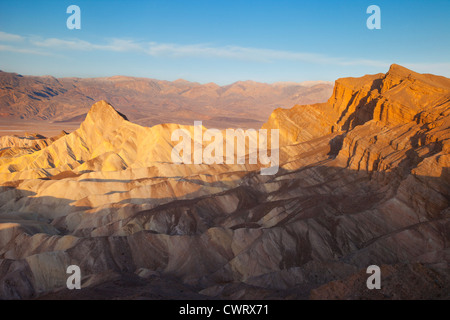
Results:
[305, 82]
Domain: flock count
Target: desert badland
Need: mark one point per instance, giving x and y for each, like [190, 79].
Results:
[363, 180]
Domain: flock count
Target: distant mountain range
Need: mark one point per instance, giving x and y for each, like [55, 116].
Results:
[149, 102]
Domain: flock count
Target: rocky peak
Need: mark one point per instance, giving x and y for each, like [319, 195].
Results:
[399, 70]
[101, 120]
[396, 75]
[103, 110]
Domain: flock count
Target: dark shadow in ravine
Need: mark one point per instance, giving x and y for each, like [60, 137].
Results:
[312, 225]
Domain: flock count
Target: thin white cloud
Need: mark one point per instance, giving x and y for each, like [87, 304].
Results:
[10, 48]
[434, 68]
[61, 44]
[252, 54]
[40, 46]
[201, 51]
[9, 37]
[119, 45]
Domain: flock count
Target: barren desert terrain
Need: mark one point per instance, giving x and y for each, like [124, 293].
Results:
[364, 180]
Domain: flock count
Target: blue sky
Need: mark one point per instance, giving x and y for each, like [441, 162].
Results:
[223, 41]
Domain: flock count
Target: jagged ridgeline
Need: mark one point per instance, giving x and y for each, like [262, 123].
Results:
[364, 179]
